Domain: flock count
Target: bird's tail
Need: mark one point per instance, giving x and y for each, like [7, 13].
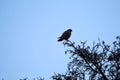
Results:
[59, 39]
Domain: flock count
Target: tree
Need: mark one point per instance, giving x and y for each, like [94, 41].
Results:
[99, 62]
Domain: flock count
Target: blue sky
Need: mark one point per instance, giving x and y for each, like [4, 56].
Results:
[29, 30]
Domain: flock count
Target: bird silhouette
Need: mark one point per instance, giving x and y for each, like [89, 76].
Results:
[66, 35]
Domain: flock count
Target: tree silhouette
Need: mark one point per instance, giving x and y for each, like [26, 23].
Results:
[99, 62]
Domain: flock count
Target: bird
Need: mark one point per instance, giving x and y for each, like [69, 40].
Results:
[65, 35]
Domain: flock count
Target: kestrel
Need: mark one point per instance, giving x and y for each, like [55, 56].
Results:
[66, 35]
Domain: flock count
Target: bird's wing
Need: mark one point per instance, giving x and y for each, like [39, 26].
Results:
[65, 34]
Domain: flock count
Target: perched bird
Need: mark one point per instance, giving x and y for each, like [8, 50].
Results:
[66, 35]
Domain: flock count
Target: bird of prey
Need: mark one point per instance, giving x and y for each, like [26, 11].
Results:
[66, 35]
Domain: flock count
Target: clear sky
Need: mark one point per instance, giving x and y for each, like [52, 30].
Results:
[29, 30]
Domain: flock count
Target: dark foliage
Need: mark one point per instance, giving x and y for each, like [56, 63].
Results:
[99, 62]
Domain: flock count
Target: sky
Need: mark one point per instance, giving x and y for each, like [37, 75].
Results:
[29, 30]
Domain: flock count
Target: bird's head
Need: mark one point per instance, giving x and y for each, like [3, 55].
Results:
[70, 30]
